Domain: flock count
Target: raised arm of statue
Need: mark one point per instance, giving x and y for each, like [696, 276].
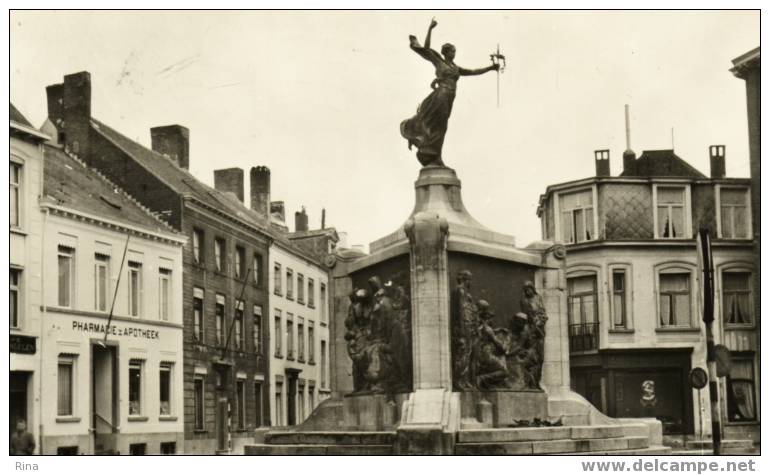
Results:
[425, 51]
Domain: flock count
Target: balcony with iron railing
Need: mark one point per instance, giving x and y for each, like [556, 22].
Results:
[583, 337]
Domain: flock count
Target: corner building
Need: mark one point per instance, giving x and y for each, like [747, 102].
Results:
[635, 322]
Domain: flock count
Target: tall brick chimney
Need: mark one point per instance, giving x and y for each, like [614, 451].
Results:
[300, 220]
[69, 108]
[230, 180]
[260, 190]
[602, 159]
[717, 160]
[172, 141]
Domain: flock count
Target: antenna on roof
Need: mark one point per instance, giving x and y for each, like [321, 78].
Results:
[672, 138]
[628, 130]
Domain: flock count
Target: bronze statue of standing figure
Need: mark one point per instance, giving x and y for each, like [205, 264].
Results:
[427, 129]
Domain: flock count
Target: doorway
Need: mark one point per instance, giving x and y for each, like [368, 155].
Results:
[291, 396]
[18, 398]
[104, 397]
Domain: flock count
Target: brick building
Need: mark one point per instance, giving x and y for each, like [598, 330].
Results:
[224, 279]
[635, 323]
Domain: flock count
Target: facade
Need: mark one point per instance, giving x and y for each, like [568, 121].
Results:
[25, 293]
[112, 340]
[299, 324]
[635, 323]
[223, 281]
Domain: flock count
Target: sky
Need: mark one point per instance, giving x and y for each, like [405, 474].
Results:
[318, 97]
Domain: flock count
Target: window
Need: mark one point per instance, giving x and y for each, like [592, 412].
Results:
[257, 269]
[14, 298]
[311, 397]
[674, 289]
[219, 254]
[278, 335]
[582, 313]
[311, 341]
[736, 298]
[66, 386]
[66, 275]
[198, 245]
[134, 288]
[165, 294]
[101, 276]
[135, 387]
[300, 288]
[219, 318]
[301, 402]
[199, 403]
[301, 339]
[733, 209]
[239, 340]
[137, 449]
[240, 262]
[741, 390]
[289, 336]
[323, 302]
[240, 402]
[198, 314]
[577, 216]
[289, 284]
[165, 389]
[619, 318]
[323, 363]
[670, 215]
[278, 403]
[310, 293]
[15, 199]
[277, 279]
[257, 328]
[258, 395]
[168, 448]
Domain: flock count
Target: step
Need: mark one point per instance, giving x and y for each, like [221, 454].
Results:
[524, 434]
[726, 444]
[552, 446]
[329, 438]
[314, 449]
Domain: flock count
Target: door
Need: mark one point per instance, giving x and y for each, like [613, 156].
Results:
[291, 399]
[104, 397]
[18, 398]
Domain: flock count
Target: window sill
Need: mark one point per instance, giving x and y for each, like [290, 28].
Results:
[278, 355]
[300, 360]
[288, 297]
[742, 423]
[678, 330]
[278, 294]
[324, 324]
[289, 358]
[301, 302]
[621, 330]
[311, 362]
[310, 305]
[168, 418]
[748, 326]
[199, 431]
[138, 418]
[67, 419]
[18, 231]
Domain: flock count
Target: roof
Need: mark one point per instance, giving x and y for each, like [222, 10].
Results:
[183, 182]
[661, 163]
[746, 61]
[73, 185]
[18, 117]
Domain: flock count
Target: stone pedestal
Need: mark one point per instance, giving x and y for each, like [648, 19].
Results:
[504, 408]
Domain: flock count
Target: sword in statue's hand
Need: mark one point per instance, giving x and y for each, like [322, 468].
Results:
[498, 59]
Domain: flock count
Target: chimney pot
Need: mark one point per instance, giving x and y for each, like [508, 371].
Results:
[230, 180]
[300, 221]
[172, 141]
[717, 160]
[260, 190]
[602, 159]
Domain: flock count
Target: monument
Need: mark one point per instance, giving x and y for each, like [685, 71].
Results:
[447, 338]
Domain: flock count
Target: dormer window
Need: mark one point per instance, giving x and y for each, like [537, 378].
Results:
[577, 216]
[672, 219]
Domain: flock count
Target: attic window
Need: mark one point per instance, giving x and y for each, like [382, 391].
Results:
[114, 205]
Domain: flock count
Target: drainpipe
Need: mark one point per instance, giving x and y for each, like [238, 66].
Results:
[44, 307]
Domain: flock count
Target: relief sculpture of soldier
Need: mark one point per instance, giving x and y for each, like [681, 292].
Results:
[427, 129]
[465, 325]
[378, 344]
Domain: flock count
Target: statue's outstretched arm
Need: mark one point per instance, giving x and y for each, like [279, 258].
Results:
[476, 72]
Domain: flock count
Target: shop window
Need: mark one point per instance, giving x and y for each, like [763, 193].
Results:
[134, 288]
[741, 390]
[165, 388]
[577, 216]
[66, 386]
[670, 212]
[165, 294]
[674, 299]
[101, 280]
[734, 214]
[14, 298]
[736, 298]
[198, 314]
[135, 387]
[66, 261]
[199, 403]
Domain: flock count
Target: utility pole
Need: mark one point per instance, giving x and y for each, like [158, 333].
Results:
[707, 289]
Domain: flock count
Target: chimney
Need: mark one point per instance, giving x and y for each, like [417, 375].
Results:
[260, 190]
[629, 157]
[300, 220]
[323, 218]
[69, 108]
[602, 159]
[230, 180]
[55, 94]
[717, 159]
[278, 208]
[172, 141]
